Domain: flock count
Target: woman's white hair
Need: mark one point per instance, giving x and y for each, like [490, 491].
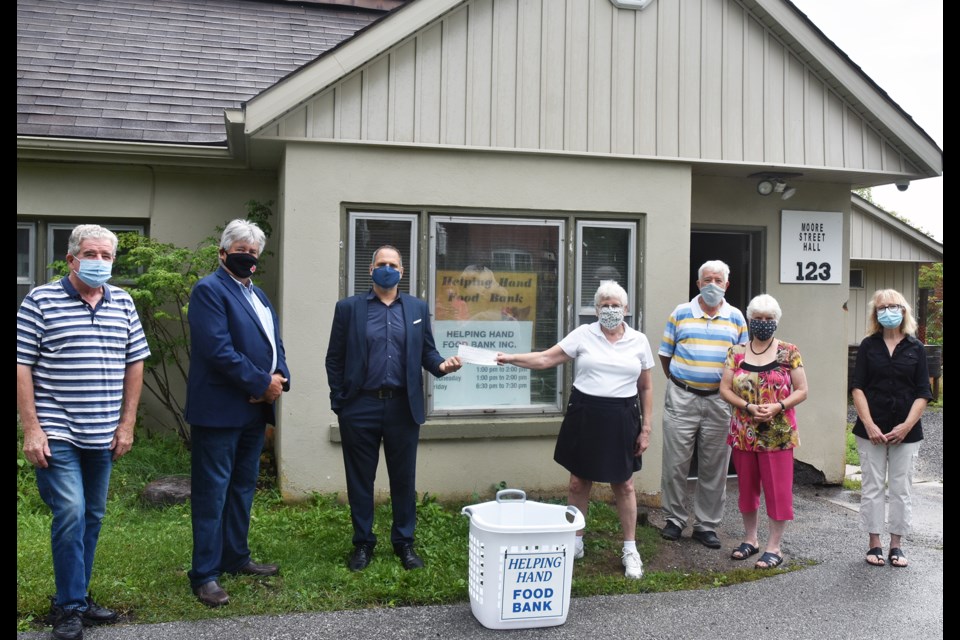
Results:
[764, 304]
[609, 289]
[241, 230]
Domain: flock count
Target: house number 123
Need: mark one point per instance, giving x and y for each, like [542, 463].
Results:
[814, 271]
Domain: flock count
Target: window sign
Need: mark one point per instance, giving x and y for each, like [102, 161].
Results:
[495, 285]
[811, 247]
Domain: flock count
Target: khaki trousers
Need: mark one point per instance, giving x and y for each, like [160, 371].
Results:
[704, 421]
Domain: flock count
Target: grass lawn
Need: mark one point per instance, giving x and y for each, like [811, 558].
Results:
[144, 553]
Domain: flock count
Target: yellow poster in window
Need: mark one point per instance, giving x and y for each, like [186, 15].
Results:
[478, 293]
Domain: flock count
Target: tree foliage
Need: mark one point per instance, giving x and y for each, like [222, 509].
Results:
[931, 278]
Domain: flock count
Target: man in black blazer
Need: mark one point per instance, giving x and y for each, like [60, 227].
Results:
[237, 372]
[379, 345]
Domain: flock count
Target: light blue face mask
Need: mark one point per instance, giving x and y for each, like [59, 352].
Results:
[94, 273]
[712, 294]
[890, 318]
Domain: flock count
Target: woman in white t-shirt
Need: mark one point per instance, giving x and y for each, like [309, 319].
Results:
[602, 436]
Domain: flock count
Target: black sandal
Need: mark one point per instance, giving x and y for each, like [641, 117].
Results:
[896, 556]
[876, 552]
[745, 550]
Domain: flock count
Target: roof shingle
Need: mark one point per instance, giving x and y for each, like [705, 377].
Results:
[161, 71]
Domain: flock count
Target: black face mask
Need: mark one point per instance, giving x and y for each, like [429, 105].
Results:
[242, 265]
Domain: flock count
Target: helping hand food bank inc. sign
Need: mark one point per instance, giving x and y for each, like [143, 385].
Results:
[484, 310]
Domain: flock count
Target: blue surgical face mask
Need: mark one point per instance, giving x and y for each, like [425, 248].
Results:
[386, 277]
[712, 294]
[890, 318]
[94, 273]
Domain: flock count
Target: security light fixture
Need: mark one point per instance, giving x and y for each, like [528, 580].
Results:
[775, 183]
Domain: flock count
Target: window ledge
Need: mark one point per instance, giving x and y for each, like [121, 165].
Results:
[475, 429]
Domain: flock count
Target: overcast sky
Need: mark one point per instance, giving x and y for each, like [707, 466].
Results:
[900, 46]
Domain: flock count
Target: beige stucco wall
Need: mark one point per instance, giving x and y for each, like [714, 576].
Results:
[318, 179]
[814, 317]
[181, 206]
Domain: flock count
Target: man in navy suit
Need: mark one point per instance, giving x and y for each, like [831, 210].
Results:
[379, 345]
[237, 373]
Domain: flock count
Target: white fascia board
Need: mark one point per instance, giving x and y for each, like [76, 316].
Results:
[853, 81]
[290, 93]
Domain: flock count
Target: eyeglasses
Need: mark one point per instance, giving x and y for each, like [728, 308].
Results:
[611, 306]
[891, 307]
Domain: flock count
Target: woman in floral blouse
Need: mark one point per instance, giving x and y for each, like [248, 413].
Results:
[764, 380]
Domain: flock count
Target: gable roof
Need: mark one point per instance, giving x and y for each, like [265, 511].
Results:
[148, 71]
[877, 234]
[175, 71]
[726, 85]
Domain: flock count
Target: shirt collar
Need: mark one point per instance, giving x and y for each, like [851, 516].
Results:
[594, 328]
[698, 312]
[73, 293]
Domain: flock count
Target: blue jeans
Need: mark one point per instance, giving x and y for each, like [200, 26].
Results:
[74, 486]
[225, 463]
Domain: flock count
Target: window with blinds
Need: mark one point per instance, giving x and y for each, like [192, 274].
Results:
[370, 231]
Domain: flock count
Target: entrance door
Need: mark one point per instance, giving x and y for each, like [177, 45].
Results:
[743, 253]
[741, 250]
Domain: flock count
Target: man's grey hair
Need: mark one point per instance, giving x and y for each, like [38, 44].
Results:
[764, 305]
[717, 266]
[609, 289]
[241, 230]
[373, 258]
[83, 232]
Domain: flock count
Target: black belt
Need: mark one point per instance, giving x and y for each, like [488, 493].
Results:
[385, 393]
[695, 391]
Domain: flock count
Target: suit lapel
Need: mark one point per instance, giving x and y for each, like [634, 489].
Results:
[234, 289]
[410, 314]
[360, 326]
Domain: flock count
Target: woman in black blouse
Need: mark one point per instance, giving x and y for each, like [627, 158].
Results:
[890, 390]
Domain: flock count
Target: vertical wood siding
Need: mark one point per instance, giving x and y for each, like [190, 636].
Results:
[696, 79]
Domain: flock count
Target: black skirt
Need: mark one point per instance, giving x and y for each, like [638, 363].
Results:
[598, 437]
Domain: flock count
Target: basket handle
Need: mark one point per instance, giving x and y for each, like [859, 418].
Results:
[574, 516]
[518, 495]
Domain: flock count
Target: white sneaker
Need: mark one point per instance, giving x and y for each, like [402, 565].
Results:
[578, 549]
[633, 565]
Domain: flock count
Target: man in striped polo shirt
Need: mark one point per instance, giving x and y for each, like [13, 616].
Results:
[692, 352]
[80, 353]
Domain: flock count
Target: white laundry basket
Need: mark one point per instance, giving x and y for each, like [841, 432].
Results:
[521, 561]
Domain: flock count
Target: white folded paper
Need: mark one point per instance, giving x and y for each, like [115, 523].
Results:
[472, 355]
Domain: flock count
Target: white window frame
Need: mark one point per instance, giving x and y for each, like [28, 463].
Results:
[560, 224]
[31, 278]
[862, 278]
[630, 285]
[409, 262]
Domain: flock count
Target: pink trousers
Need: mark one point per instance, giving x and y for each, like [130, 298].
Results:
[770, 470]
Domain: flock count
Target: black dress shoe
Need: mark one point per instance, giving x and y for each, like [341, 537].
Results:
[408, 557]
[361, 557]
[254, 569]
[671, 532]
[707, 539]
[67, 624]
[211, 594]
[95, 614]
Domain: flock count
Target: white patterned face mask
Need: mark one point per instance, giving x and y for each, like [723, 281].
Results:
[610, 317]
